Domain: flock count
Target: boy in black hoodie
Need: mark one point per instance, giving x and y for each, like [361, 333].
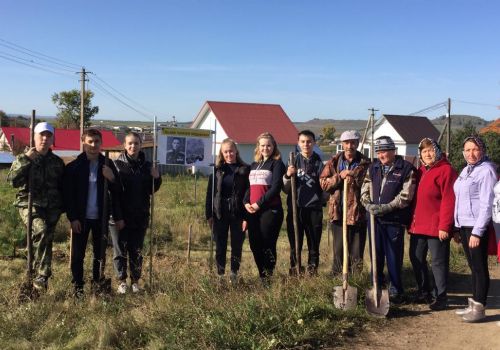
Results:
[308, 166]
[83, 196]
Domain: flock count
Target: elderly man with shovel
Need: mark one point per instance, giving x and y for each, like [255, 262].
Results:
[387, 193]
[348, 166]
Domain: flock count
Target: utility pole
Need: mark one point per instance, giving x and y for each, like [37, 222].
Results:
[82, 103]
[372, 123]
[448, 128]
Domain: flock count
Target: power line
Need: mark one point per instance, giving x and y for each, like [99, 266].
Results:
[477, 103]
[431, 108]
[34, 62]
[38, 55]
[33, 66]
[125, 97]
[104, 90]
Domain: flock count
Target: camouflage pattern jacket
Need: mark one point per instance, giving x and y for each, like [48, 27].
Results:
[47, 172]
[356, 213]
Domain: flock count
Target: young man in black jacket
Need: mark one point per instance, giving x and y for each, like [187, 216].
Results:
[307, 168]
[84, 195]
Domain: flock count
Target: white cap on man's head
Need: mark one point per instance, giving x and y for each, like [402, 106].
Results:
[350, 135]
[44, 126]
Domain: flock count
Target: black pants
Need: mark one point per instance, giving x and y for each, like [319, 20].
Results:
[477, 259]
[129, 242]
[440, 254]
[356, 240]
[78, 247]
[310, 222]
[263, 232]
[221, 230]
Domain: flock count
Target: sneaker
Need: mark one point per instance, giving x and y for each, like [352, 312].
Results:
[122, 288]
[78, 292]
[233, 277]
[466, 310]
[439, 304]
[40, 282]
[395, 297]
[135, 288]
[476, 314]
[422, 298]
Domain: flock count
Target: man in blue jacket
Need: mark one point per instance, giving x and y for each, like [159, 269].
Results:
[392, 180]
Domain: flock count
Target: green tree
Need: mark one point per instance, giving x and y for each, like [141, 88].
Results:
[492, 140]
[68, 104]
[3, 119]
[328, 132]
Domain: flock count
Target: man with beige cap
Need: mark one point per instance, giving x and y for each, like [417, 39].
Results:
[349, 165]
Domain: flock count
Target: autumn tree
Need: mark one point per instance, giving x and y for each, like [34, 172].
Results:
[68, 104]
[328, 132]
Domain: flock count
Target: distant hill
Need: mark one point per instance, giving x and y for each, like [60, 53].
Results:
[316, 125]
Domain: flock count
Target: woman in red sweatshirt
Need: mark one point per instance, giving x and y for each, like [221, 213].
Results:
[263, 204]
[432, 223]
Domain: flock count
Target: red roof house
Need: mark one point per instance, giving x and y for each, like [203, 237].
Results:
[243, 122]
[66, 141]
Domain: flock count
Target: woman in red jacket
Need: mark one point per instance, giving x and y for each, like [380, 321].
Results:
[432, 223]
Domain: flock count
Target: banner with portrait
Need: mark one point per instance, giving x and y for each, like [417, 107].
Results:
[182, 146]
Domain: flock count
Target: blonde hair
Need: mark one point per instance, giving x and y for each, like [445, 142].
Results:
[219, 161]
[276, 152]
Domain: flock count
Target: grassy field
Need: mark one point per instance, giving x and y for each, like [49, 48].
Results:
[187, 307]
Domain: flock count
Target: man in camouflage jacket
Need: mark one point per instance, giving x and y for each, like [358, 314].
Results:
[47, 171]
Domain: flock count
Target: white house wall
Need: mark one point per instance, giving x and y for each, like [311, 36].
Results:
[247, 152]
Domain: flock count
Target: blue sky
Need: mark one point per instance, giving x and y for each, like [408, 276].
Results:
[318, 59]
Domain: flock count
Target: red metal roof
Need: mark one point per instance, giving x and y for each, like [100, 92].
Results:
[64, 140]
[243, 122]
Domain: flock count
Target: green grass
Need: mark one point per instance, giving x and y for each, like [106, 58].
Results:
[187, 307]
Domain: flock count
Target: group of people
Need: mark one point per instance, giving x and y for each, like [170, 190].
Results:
[97, 195]
[433, 204]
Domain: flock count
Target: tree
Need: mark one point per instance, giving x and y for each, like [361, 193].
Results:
[3, 118]
[328, 132]
[491, 139]
[68, 104]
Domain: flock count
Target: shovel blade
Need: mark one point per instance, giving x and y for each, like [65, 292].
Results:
[377, 302]
[345, 299]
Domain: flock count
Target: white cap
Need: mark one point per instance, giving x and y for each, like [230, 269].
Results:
[350, 135]
[44, 126]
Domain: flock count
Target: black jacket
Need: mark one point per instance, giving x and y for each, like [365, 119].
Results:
[240, 186]
[136, 181]
[76, 188]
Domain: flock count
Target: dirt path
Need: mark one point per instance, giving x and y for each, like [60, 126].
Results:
[416, 327]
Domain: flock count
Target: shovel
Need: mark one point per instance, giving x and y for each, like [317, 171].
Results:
[345, 297]
[298, 262]
[104, 284]
[376, 300]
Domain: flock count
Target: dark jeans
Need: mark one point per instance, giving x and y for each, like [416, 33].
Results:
[389, 244]
[356, 240]
[477, 259]
[129, 242]
[263, 232]
[440, 254]
[78, 247]
[221, 230]
[310, 222]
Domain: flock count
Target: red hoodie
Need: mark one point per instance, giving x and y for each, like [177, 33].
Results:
[434, 200]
